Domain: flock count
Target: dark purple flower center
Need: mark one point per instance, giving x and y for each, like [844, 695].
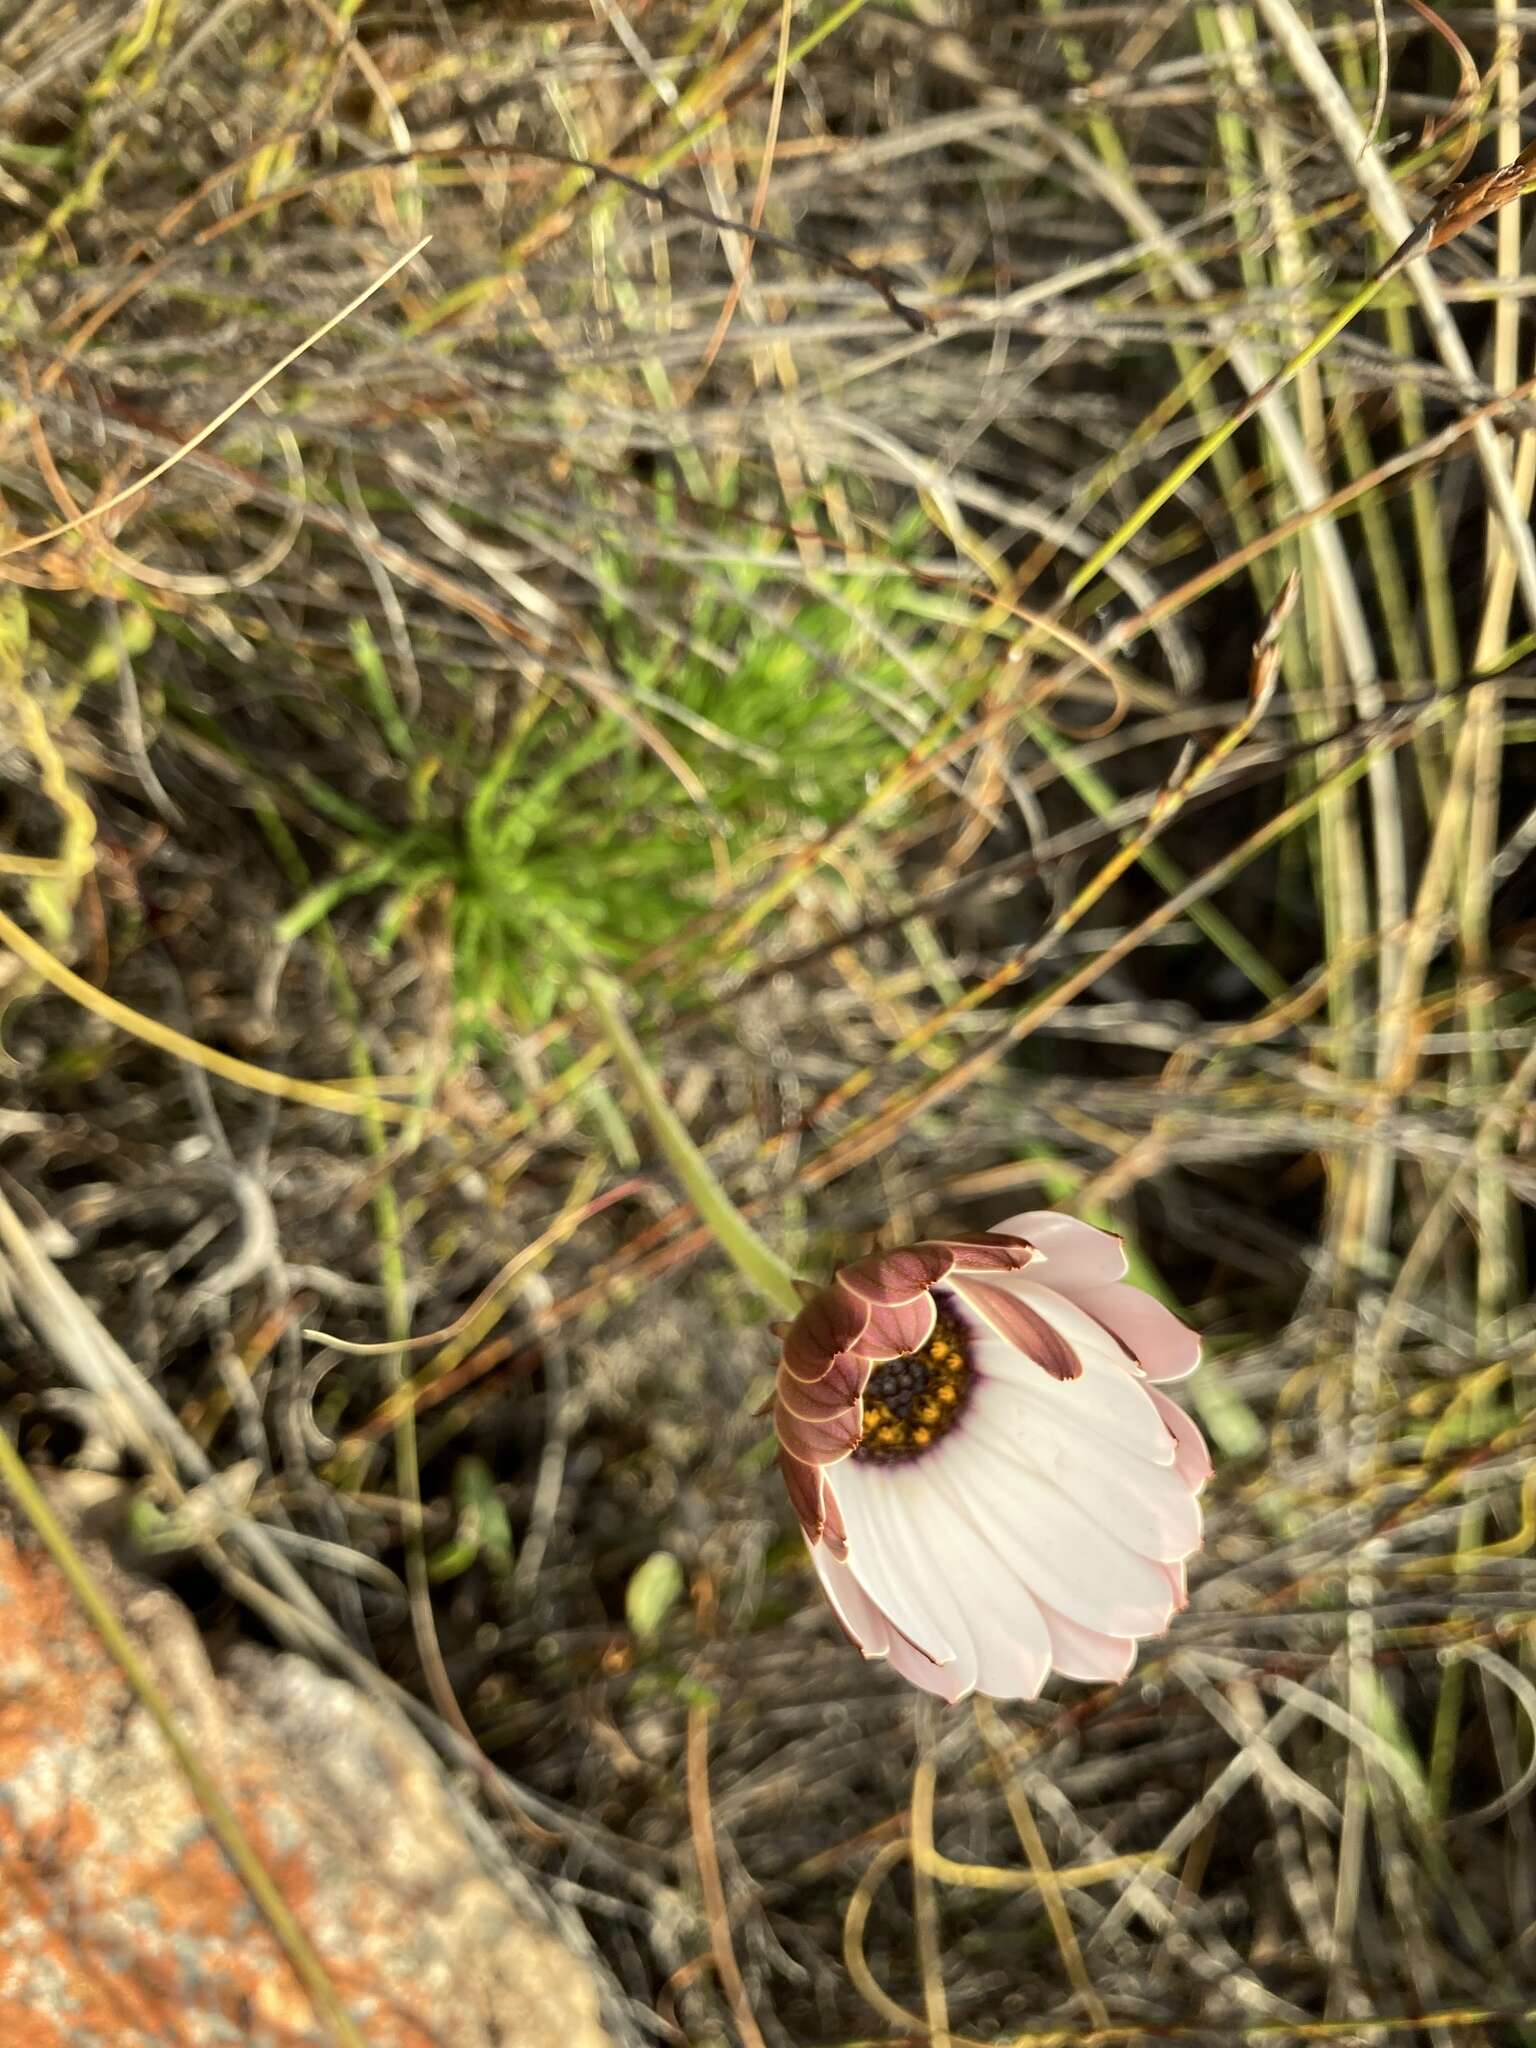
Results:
[910, 1403]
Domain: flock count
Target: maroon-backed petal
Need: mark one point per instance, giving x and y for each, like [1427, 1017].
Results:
[895, 1330]
[886, 1279]
[832, 1321]
[834, 1393]
[834, 1533]
[1024, 1328]
[807, 1495]
[986, 1253]
[817, 1443]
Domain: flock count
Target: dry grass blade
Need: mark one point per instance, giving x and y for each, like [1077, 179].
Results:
[220, 419]
[707, 1860]
[285, 1087]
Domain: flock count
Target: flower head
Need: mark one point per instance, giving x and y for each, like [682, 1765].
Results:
[991, 1481]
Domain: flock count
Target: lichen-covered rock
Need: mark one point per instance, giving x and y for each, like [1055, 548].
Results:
[121, 1923]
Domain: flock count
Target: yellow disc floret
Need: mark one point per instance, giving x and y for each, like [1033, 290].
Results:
[911, 1403]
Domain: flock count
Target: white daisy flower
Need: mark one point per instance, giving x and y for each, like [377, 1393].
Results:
[992, 1483]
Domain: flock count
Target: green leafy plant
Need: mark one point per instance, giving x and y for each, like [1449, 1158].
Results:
[606, 819]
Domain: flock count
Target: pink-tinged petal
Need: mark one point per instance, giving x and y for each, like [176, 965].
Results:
[1161, 1345]
[891, 1557]
[1178, 1578]
[1084, 1654]
[886, 1279]
[1191, 1456]
[806, 1494]
[1108, 1398]
[1059, 1547]
[896, 1330]
[861, 1619]
[1013, 1645]
[874, 1633]
[927, 1524]
[989, 1254]
[817, 1443]
[832, 1321]
[908, 1662]
[835, 1393]
[1149, 1508]
[1072, 1254]
[1021, 1324]
[1065, 1422]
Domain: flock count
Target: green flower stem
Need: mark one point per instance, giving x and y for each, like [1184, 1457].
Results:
[753, 1259]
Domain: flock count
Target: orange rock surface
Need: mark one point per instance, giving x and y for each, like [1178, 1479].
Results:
[122, 1924]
